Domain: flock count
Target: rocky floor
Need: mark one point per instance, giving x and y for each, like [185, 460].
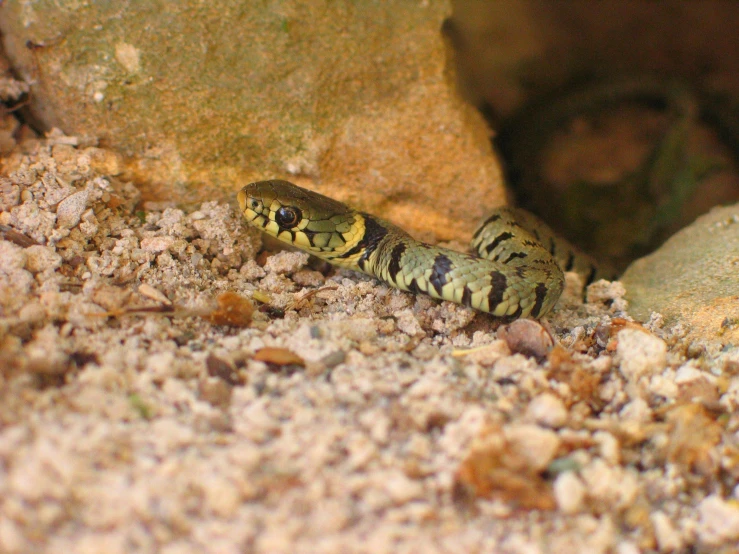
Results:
[167, 387]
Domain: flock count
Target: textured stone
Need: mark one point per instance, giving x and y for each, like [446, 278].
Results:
[693, 278]
[351, 99]
[640, 353]
[69, 211]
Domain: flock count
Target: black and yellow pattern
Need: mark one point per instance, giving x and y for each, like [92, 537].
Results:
[518, 271]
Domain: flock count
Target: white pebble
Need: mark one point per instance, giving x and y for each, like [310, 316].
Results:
[69, 210]
[161, 365]
[610, 449]
[668, 538]
[640, 353]
[547, 410]
[285, 262]
[719, 521]
[535, 444]
[42, 258]
[569, 492]
[401, 489]
[156, 245]
[637, 411]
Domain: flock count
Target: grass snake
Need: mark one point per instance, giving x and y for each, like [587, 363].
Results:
[517, 270]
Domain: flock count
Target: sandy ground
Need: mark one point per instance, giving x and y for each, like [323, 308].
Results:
[166, 387]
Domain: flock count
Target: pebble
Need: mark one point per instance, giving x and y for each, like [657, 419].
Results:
[536, 445]
[668, 538]
[527, 337]
[155, 245]
[719, 521]
[548, 410]
[400, 488]
[42, 258]
[69, 210]
[640, 353]
[569, 492]
[286, 262]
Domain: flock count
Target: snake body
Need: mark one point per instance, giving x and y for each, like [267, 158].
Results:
[517, 272]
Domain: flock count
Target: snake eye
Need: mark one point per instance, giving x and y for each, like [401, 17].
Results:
[288, 217]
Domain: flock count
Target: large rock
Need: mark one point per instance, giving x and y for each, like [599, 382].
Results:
[693, 277]
[351, 99]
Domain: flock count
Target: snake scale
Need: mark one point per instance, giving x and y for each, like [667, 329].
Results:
[517, 272]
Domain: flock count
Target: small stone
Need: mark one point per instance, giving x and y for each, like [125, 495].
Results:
[161, 365]
[719, 521]
[668, 538]
[309, 278]
[609, 485]
[608, 293]
[215, 391]
[110, 297]
[156, 245]
[527, 337]
[42, 258]
[569, 492]
[534, 444]
[637, 411]
[69, 210]
[640, 353]
[610, 449]
[547, 410]
[286, 263]
[105, 162]
[32, 313]
[401, 489]
[250, 270]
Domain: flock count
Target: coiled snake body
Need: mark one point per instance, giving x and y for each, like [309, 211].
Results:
[518, 270]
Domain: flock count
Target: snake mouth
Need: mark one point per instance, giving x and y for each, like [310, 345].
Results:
[241, 197]
[249, 212]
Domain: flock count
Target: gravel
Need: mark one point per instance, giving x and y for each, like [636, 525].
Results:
[133, 420]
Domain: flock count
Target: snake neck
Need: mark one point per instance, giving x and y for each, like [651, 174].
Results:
[362, 253]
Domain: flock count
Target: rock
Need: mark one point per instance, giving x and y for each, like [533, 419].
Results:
[286, 263]
[668, 538]
[527, 337]
[692, 278]
[547, 410]
[569, 492]
[532, 443]
[42, 258]
[719, 521]
[69, 211]
[363, 112]
[640, 353]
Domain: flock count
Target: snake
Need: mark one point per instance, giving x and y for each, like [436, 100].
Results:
[516, 268]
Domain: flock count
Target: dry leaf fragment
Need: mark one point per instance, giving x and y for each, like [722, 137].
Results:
[278, 356]
[693, 433]
[495, 469]
[233, 309]
[15, 237]
[584, 383]
[223, 369]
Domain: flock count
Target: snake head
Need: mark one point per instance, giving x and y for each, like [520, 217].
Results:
[298, 216]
